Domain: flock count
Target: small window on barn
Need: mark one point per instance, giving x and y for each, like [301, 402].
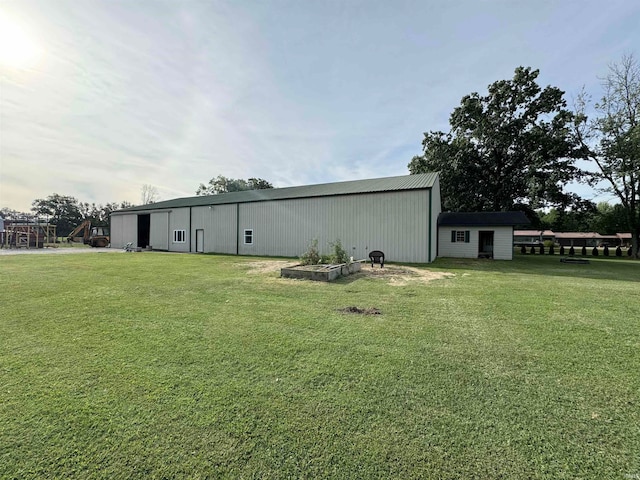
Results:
[460, 236]
[248, 237]
[179, 236]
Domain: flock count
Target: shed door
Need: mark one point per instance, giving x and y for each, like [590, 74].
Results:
[200, 241]
[485, 248]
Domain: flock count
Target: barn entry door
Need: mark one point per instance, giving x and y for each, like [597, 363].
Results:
[485, 247]
[199, 241]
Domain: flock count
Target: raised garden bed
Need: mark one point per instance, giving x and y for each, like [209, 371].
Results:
[321, 273]
[582, 261]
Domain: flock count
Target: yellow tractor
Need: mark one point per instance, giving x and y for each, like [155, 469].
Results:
[94, 236]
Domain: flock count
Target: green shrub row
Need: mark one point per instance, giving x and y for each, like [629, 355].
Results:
[541, 250]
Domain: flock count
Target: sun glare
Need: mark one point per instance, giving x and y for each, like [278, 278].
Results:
[18, 48]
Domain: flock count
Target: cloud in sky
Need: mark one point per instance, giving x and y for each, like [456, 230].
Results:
[174, 93]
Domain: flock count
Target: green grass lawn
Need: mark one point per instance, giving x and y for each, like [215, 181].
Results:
[154, 365]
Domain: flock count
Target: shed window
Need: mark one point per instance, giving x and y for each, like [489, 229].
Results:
[248, 237]
[459, 236]
[179, 236]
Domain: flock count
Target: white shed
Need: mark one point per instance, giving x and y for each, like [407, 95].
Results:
[478, 234]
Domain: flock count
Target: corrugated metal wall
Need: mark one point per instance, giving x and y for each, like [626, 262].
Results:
[159, 231]
[219, 225]
[124, 229]
[395, 222]
[179, 220]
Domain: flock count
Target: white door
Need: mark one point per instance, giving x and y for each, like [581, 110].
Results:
[199, 241]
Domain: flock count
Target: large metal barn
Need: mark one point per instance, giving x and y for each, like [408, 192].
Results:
[397, 215]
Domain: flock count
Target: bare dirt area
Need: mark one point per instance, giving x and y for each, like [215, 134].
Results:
[361, 311]
[268, 266]
[395, 275]
[399, 276]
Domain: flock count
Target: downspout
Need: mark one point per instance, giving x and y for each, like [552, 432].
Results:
[190, 231]
[237, 229]
[430, 222]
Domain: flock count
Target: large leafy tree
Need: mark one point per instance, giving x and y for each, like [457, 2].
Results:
[61, 210]
[609, 219]
[611, 139]
[99, 214]
[221, 184]
[508, 149]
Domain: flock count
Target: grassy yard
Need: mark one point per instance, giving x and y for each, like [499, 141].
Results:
[154, 365]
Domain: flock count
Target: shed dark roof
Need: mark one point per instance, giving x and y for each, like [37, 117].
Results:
[375, 185]
[482, 219]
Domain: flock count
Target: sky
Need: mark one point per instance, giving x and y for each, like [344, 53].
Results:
[98, 98]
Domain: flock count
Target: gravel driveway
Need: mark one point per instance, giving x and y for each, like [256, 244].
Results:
[57, 251]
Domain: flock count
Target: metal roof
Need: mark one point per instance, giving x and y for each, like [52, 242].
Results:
[375, 185]
[482, 219]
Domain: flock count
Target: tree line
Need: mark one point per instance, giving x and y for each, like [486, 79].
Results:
[517, 147]
[67, 212]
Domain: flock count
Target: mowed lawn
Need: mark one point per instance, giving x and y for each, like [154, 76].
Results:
[150, 365]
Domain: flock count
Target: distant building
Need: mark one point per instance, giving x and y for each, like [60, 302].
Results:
[570, 239]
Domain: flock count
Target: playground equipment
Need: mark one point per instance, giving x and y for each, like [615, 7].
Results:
[27, 233]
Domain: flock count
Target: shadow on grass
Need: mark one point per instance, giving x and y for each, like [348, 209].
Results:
[599, 268]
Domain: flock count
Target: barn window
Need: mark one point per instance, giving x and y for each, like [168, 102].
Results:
[459, 236]
[179, 236]
[248, 237]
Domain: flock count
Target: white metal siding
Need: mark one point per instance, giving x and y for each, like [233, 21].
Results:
[502, 242]
[179, 220]
[124, 229]
[219, 225]
[395, 222]
[159, 231]
[435, 211]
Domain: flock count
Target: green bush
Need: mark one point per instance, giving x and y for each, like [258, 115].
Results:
[551, 249]
[561, 249]
[606, 251]
[339, 254]
[618, 251]
[523, 250]
[312, 255]
[594, 252]
[572, 251]
[584, 251]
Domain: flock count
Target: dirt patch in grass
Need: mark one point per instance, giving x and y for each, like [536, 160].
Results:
[395, 275]
[361, 311]
[268, 266]
[400, 276]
